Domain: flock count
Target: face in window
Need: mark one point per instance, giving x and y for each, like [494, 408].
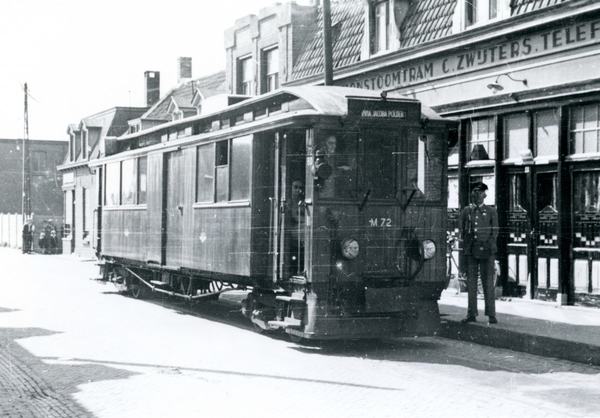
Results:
[297, 190]
[331, 144]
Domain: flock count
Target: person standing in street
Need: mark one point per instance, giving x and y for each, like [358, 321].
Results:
[479, 231]
[27, 236]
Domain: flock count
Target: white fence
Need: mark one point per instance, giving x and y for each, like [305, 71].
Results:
[11, 226]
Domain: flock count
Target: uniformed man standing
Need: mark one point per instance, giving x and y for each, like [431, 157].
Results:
[479, 230]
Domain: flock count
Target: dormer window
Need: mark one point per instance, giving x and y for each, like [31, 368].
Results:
[480, 11]
[381, 27]
[475, 13]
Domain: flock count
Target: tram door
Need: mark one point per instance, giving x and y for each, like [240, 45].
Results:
[173, 204]
[288, 217]
[533, 233]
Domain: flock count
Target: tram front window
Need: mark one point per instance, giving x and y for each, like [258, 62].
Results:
[358, 166]
[339, 153]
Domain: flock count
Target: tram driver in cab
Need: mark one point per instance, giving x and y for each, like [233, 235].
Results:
[330, 166]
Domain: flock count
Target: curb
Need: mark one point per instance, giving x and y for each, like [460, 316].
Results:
[517, 341]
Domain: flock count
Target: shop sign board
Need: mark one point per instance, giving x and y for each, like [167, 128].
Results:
[513, 51]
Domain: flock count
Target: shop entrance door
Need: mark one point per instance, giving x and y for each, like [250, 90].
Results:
[519, 231]
[546, 237]
[532, 238]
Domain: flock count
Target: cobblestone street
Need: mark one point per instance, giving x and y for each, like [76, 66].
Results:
[73, 347]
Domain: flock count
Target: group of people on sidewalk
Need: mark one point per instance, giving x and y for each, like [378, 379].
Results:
[47, 241]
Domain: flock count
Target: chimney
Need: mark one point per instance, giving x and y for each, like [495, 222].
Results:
[152, 87]
[185, 69]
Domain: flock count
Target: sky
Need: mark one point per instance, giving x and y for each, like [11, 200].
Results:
[82, 57]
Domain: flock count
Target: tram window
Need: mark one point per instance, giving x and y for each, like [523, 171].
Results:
[339, 152]
[380, 164]
[128, 182]
[222, 170]
[142, 180]
[206, 173]
[241, 152]
[425, 167]
[112, 184]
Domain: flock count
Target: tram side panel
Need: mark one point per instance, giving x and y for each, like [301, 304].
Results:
[133, 231]
[231, 238]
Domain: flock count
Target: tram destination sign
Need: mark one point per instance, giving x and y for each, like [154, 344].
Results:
[381, 110]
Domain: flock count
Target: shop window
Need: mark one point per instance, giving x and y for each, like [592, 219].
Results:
[516, 129]
[245, 76]
[584, 129]
[481, 139]
[586, 207]
[546, 133]
[270, 70]
[112, 184]
[223, 171]
[380, 27]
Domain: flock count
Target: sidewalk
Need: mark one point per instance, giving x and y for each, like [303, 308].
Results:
[531, 326]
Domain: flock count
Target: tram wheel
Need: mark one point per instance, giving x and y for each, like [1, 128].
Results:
[296, 339]
[139, 290]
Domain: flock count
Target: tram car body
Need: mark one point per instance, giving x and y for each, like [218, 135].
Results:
[327, 203]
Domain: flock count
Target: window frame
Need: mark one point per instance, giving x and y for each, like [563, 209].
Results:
[226, 168]
[135, 184]
[491, 151]
[376, 28]
[245, 86]
[268, 76]
[461, 21]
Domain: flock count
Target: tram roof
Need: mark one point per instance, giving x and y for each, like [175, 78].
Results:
[333, 100]
[322, 100]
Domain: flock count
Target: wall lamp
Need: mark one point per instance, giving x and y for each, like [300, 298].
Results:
[496, 87]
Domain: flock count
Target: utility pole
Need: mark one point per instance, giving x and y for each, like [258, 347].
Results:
[26, 165]
[327, 46]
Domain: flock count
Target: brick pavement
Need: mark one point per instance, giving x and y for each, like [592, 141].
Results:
[30, 387]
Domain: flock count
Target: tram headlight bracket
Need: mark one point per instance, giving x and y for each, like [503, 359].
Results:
[350, 248]
[429, 249]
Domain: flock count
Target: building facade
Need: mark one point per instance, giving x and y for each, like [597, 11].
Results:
[88, 140]
[520, 76]
[44, 190]
[262, 49]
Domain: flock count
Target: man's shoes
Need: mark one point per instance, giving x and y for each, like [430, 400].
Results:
[469, 318]
[492, 320]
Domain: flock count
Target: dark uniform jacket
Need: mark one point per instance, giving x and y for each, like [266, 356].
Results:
[477, 225]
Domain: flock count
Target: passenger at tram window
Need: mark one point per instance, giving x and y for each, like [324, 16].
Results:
[296, 213]
[340, 165]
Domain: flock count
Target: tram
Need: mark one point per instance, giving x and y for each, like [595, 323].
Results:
[327, 204]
